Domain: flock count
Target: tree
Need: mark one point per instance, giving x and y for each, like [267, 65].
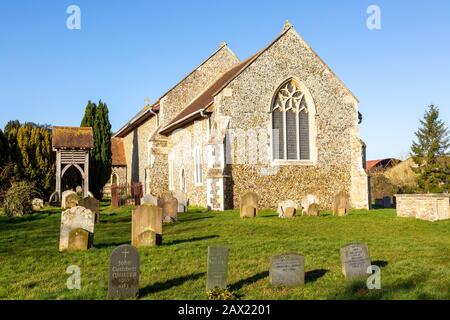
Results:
[97, 117]
[3, 149]
[430, 153]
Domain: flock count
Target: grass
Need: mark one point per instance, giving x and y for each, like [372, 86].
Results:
[414, 255]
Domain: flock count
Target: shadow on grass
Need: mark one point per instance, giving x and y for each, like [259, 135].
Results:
[314, 275]
[357, 289]
[115, 220]
[110, 244]
[162, 286]
[380, 263]
[247, 281]
[174, 242]
[195, 219]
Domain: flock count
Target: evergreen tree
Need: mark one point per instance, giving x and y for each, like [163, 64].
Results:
[97, 117]
[3, 149]
[430, 153]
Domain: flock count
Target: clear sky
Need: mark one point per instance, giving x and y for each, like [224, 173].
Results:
[126, 51]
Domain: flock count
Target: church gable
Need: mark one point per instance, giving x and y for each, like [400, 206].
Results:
[179, 97]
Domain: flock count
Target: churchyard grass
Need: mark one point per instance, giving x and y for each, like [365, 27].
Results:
[414, 255]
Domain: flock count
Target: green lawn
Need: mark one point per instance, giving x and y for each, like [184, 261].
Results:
[414, 255]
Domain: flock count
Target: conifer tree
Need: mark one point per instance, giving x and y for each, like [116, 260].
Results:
[3, 149]
[97, 117]
[430, 153]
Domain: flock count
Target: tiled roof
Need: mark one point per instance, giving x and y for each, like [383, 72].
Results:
[118, 152]
[72, 137]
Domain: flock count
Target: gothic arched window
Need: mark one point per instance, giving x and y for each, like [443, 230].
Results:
[290, 123]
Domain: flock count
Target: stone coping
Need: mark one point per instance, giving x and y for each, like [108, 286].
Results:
[429, 195]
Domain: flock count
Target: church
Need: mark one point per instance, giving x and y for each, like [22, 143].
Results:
[279, 123]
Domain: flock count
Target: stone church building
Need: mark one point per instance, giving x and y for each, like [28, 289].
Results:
[280, 123]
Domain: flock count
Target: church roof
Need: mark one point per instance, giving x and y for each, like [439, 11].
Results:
[72, 137]
[118, 152]
[150, 110]
[205, 99]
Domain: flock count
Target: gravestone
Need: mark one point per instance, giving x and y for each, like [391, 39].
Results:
[79, 190]
[341, 204]
[307, 202]
[73, 219]
[355, 260]
[78, 240]
[146, 226]
[115, 196]
[182, 201]
[379, 203]
[387, 203]
[313, 210]
[37, 204]
[170, 209]
[64, 196]
[249, 205]
[72, 200]
[124, 273]
[287, 270]
[93, 205]
[149, 199]
[285, 204]
[217, 267]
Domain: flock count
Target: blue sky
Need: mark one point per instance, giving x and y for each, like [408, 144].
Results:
[129, 50]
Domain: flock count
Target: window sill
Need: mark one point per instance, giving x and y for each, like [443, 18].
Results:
[198, 184]
[294, 163]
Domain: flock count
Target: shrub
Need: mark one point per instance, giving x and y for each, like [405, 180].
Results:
[221, 294]
[18, 199]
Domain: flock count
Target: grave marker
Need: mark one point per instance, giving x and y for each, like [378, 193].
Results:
[249, 205]
[355, 260]
[287, 270]
[124, 273]
[72, 219]
[217, 267]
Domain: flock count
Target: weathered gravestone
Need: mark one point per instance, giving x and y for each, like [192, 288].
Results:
[72, 200]
[182, 201]
[307, 202]
[249, 205]
[64, 196]
[74, 219]
[313, 210]
[170, 209]
[287, 209]
[355, 260]
[78, 240]
[124, 273]
[341, 204]
[287, 270]
[387, 203]
[93, 205]
[146, 226]
[149, 199]
[217, 267]
[79, 190]
[37, 204]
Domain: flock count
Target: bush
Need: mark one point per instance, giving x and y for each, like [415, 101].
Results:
[221, 294]
[18, 199]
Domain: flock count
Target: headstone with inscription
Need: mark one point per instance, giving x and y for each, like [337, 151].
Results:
[217, 267]
[249, 205]
[78, 240]
[72, 219]
[124, 273]
[355, 260]
[287, 270]
[146, 226]
[93, 205]
[64, 196]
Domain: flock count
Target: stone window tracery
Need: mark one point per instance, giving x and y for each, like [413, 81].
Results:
[290, 123]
